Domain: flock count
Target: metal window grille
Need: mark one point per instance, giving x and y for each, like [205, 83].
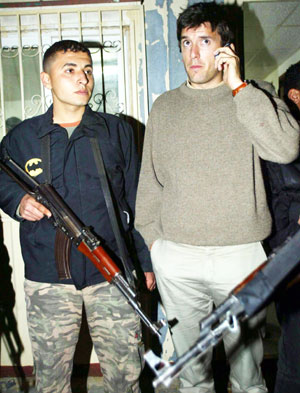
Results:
[115, 36]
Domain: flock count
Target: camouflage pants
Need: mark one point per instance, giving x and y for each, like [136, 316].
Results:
[54, 314]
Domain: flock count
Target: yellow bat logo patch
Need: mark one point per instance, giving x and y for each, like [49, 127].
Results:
[33, 167]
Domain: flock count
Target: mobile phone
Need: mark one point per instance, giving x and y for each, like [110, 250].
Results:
[227, 44]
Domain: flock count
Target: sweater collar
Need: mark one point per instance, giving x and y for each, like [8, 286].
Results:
[188, 83]
[219, 92]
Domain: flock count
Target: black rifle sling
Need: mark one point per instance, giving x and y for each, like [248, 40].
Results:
[46, 158]
[110, 207]
[62, 245]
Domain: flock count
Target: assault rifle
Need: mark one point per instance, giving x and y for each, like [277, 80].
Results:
[246, 300]
[81, 236]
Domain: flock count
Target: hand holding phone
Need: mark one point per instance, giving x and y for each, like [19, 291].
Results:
[227, 61]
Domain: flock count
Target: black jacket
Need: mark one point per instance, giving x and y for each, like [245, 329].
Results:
[75, 178]
[283, 186]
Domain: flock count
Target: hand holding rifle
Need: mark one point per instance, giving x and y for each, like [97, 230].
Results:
[43, 200]
[32, 210]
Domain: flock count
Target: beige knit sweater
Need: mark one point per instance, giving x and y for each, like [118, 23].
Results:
[201, 180]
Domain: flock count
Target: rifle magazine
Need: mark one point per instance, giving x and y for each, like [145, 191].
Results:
[62, 251]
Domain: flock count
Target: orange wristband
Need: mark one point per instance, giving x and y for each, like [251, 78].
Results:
[240, 87]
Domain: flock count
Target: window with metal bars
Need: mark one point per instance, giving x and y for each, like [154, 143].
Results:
[115, 36]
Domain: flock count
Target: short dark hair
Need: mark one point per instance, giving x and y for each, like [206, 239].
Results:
[292, 78]
[63, 46]
[199, 13]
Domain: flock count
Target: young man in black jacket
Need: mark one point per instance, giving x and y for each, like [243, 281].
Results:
[284, 182]
[54, 306]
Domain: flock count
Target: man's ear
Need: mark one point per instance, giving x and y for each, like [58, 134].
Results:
[294, 95]
[46, 81]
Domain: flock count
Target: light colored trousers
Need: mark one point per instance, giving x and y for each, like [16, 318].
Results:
[54, 313]
[191, 279]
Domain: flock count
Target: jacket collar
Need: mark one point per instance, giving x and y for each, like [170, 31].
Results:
[89, 124]
[46, 123]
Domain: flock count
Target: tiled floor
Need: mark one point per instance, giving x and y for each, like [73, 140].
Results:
[95, 384]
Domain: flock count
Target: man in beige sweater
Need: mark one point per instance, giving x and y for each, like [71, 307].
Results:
[201, 203]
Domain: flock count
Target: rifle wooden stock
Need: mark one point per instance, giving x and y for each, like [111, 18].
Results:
[101, 260]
